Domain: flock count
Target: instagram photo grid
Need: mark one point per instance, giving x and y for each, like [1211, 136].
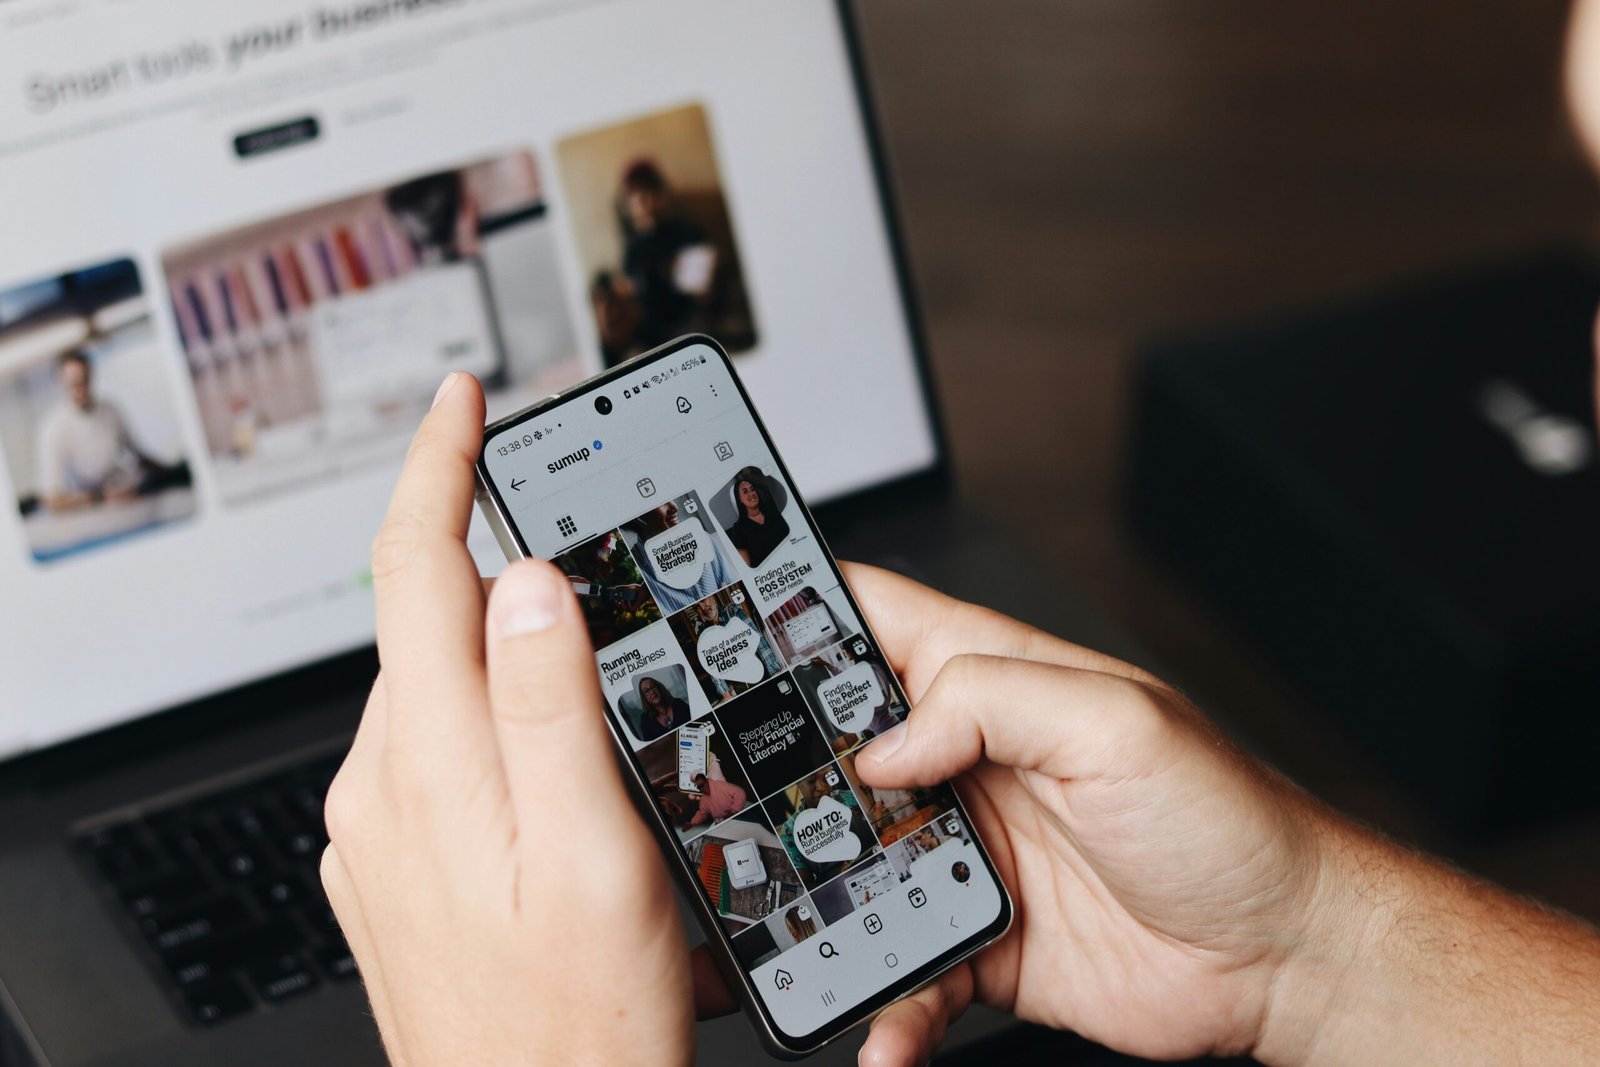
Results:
[736, 668]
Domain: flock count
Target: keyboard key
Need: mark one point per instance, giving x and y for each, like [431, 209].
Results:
[164, 892]
[195, 972]
[193, 926]
[304, 845]
[275, 893]
[337, 963]
[281, 978]
[212, 1002]
[249, 823]
[239, 863]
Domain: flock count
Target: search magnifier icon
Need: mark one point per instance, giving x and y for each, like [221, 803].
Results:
[827, 951]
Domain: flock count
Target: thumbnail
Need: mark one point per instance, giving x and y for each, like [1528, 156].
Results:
[694, 778]
[858, 887]
[777, 933]
[809, 622]
[650, 219]
[610, 588]
[749, 508]
[724, 640]
[743, 870]
[677, 552]
[647, 683]
[895, 813]
[941, 849]
[774, 737]
[87, 420]
[315, 340]
[851, 691]
[820, 823]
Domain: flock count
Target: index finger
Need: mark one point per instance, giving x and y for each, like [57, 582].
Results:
[429, 596]
[921, 629]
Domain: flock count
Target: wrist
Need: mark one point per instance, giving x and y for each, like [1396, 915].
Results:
[1316, 995]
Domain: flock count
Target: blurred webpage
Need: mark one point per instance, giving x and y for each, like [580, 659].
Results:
[245, 240]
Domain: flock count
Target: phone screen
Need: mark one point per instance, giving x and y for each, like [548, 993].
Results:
[739, 675]
[694, 767]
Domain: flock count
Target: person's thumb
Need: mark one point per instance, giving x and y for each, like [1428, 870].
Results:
[545, 695]
[1063, 721]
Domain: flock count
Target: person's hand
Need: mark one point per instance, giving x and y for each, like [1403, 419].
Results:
[503, 900]
[1162, 879]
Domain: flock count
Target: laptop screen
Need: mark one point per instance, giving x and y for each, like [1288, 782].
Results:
[245, 239]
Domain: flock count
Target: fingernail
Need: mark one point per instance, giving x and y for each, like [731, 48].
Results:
[885, 745]
[525, 600]
[444, 387]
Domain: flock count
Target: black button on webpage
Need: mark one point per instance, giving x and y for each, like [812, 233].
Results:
[268, 139]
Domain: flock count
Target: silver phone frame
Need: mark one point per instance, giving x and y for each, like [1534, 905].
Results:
[718, 940]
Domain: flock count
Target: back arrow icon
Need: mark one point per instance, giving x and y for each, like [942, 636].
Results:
[518, 483]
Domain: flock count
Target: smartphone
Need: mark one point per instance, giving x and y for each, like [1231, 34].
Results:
[693, 752]
[823, 898]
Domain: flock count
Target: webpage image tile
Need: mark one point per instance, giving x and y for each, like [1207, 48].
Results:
[820, 822]
[678, 553]
[725, 641]
[810, 621]
[611, 591]
[744, 870]
[649, 685]
[694, 778]
[87, 433]
[850, 690]
[773, 735]
[651, 223]
[769, 536]
[749, 508]
[871, 879]
[314, 340]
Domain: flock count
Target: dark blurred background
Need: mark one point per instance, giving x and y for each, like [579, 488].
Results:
[1078, 178]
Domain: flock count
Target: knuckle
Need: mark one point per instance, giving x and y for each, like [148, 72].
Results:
[1145, 722]
[960, 674]
[395, 546]
[406, 540]
[342, 809]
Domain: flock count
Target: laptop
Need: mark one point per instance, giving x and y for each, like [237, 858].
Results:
[244, 241]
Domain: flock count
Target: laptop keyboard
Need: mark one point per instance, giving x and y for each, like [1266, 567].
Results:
[223, 892]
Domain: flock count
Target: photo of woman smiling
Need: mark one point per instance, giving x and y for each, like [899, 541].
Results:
[759, 527]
